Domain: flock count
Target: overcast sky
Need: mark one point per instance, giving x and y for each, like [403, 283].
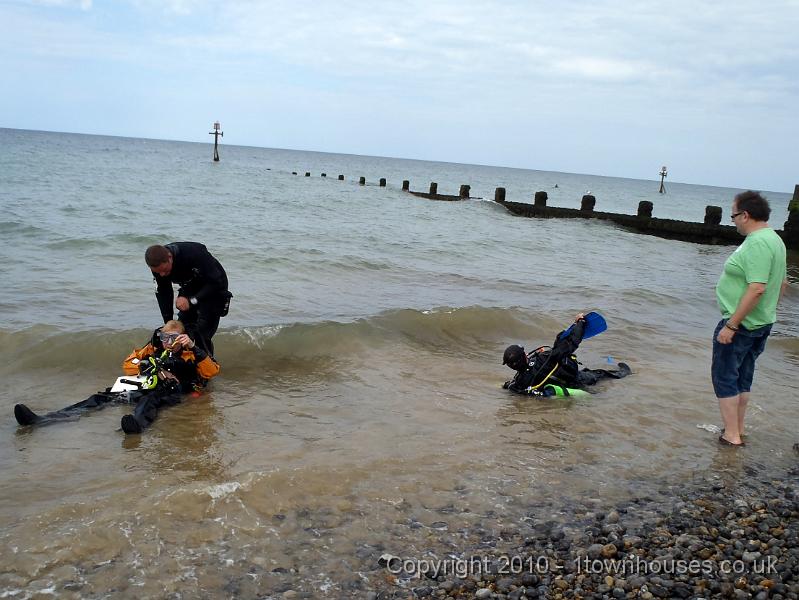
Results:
[710, 89]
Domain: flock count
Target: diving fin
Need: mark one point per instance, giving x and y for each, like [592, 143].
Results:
[24, 415]
[594, 325]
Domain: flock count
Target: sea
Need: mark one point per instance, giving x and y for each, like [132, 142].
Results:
[359, 404]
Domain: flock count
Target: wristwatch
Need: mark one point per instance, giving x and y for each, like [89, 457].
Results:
[193, 301]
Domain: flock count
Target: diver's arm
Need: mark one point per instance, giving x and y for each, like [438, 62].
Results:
[568, 344]
[165, 296]
[206, 367]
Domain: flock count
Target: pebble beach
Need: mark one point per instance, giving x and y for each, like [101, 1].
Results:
[722, 539]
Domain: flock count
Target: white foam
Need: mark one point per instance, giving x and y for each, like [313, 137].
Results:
[709, 427]
[223, 489]
[258, 335]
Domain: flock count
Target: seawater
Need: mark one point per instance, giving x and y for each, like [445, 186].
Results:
[360, 398]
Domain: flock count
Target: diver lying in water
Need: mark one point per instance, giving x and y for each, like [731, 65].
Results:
[554, 371]
[168, 367]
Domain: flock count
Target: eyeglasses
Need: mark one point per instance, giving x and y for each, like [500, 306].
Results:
[738, 214]
[167, 338]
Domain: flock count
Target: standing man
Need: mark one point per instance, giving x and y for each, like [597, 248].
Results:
[203, 296]
[751, 284]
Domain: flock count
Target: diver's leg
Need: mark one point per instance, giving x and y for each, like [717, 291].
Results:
[147, 408]
[207, 324]
[26, 416]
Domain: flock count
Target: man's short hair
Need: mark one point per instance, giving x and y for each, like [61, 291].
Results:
[156, 255]
[753, 203]
[514, 355]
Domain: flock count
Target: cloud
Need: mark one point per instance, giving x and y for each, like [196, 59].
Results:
[81, 4]
[526, 64]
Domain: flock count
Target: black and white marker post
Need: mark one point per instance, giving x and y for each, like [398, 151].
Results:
[216, 133]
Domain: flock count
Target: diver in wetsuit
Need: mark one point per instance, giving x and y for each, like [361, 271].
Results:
[179, 365]
[203, 296]
[555, 371]
[174, 366]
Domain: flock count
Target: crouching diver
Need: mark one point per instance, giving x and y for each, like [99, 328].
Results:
[171, 366]
[554, 371]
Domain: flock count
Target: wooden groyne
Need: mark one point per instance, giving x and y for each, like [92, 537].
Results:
[433, 194]
[711, 231]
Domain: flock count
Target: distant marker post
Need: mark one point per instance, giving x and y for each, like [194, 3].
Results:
[216, 133]
[663, 174]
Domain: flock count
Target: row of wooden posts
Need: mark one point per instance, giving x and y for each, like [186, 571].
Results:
[713, 214]
[710, 231]
[406, 185]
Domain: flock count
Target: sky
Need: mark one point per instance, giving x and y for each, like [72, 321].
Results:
[709, 89]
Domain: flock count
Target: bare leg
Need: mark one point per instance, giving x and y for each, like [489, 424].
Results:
[729, 408]
[743, 400]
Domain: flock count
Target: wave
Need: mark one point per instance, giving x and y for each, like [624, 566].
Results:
[17, 228]
[441, 331]
[77, 244]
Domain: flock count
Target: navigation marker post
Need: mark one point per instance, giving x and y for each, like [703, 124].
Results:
[216, 133]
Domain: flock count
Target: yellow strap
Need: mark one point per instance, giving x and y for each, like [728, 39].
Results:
[535, 387]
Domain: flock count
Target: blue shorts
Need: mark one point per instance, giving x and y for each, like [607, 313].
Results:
[733, 364]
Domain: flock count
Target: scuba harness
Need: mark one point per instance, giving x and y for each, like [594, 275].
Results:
[564, 371]
[156, 370]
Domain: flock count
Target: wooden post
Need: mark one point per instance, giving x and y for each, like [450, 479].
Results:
[216, 133]
[362, 181]
[791, 226]
[712, 215]
[433, 188]
[663, 174]
[307, 173]
[499, 194]
[341, 177]
[464, 193]
[793, 205]
[540, 199]
[645, 209]
[382, 182]
[588, 203]
[406, 185]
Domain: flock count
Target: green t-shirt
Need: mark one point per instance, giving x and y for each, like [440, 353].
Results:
[760, 259]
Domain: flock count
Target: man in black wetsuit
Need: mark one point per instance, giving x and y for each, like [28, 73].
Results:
[554, 365]
[203, 295]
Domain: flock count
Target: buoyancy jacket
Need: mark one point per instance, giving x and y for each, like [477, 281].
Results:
[193, 368]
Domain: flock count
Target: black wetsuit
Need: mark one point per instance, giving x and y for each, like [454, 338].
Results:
[168, 392]
[558, 366]
[202, 280]
[147, 403]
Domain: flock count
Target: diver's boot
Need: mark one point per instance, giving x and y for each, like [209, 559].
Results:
[24, 415]
[131, 425]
